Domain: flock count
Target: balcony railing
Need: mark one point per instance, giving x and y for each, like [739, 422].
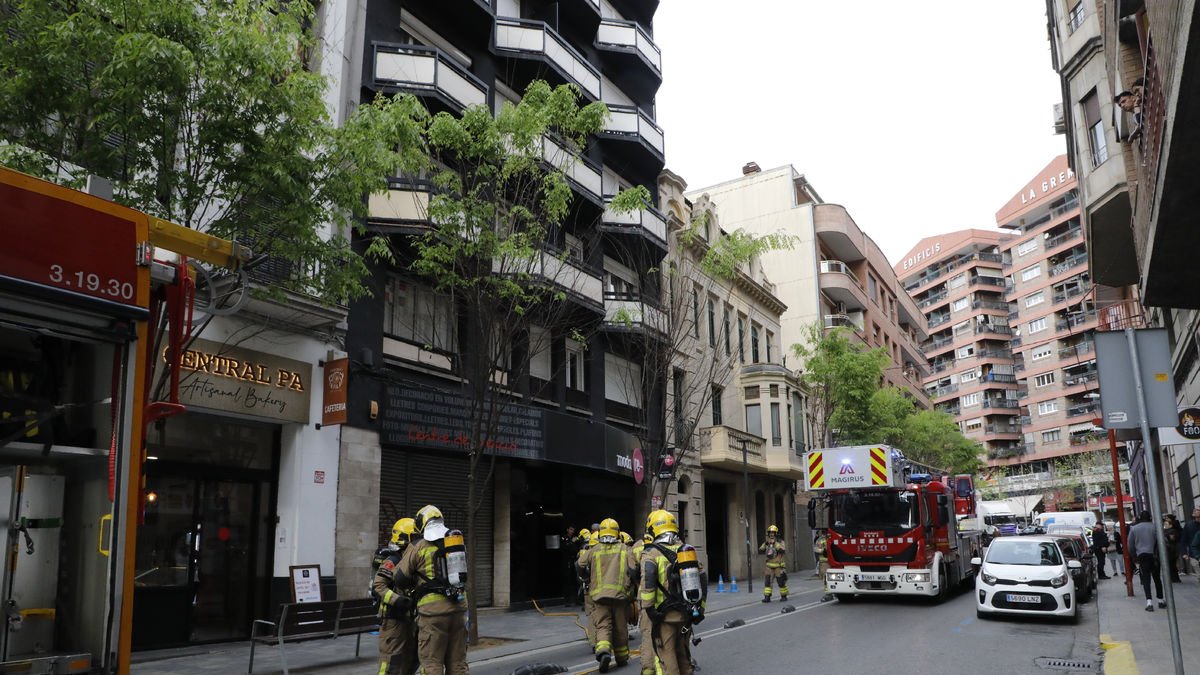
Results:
[1002, 429]
[1015, 341]
[1078, 349]
[1078, 318]
[1024, 419]
[935, 321]
[1001, 403]
[952, 411]
[1080, 410]
[933, 299]
[839, 320]
[647, 220]
[419, 69]
[525, 37]
[938, 343]
[632, 311]
[629, 36]
[1004, 378]
[1060, 296]
[991, 328]
[630, 122]
[943, 391]
[1068, 264]
[989, 304]
[577, 168]
[1022, 393]
[1083, 378]
[987, 281]
[991, 257]
[939, 367]
[558, 269]
[1063, 238]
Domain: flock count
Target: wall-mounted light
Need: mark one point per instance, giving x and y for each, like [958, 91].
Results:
[374, 409]
[151, 497]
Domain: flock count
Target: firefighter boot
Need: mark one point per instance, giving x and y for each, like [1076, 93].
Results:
[605, 660]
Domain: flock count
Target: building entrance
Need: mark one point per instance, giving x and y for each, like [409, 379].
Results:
[716, 540]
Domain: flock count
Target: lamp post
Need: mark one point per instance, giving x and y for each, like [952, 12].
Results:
[746, 515]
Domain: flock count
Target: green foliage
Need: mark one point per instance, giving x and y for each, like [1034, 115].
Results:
[889, 409]
[202, 113]
[933, 438]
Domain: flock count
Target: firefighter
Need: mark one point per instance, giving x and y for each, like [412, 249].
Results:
[584, 540]
[588, 604]
[821, 549]
[435, 567]
[776, 564]
[645, 628]
[672, 593]
[608, 568]
[397, 632]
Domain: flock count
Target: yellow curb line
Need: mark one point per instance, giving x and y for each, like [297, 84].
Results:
[1118, 657]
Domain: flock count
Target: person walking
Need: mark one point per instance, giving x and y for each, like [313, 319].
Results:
[397, 631]
[1118, 560]
[1173, 534]
[434, 567]
[1142, 545]
[776, 564]
[663, 595]
[1189, 533]
[645, 626]
[608, 567]
[570, 553]
[1099, 547]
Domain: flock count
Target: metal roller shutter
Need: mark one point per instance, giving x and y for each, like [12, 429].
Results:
[410, 480]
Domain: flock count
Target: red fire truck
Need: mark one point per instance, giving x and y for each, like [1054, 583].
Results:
[890, 530]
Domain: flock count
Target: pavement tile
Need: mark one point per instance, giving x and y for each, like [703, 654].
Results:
[1124, 619]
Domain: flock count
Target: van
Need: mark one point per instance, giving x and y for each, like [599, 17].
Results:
[1065, 519]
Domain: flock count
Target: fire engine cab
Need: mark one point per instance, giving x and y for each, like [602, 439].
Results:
[889, 529]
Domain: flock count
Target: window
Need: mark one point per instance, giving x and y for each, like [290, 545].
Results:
[728, 342]
[770, 339]
[1052, 436]
[957, 282]
[574, 365]
[1037, 325]
[574, 247]
[959, 305]
[969, 376]
[754, 419]
[776, 433]
[717, 392]
[969, 400]
[1041, 352]
[753, 343]
[539, 353]
[1075, 16]
[1031, 272]
[1035, 299]
[1027, 247]
[741, 339]
[873, 287]
[965, 352]
[695, 313]
[1043, 380]
[1095, 127]
[712, 323]
[417, 314]
[1047, 407]
[751, 393]
[677, 383]
[973, 425]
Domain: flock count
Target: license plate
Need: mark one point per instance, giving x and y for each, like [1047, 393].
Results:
[874, 577]
[1013, 597]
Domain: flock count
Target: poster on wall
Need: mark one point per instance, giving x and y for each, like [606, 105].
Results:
[306, 583]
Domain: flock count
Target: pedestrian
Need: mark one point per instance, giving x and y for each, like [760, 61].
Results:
[1143, 545]
[1189, 533]
[397, 630]
[570, 552]
[776, 564]
[609, 568]
[1099, 546]
[434, 567]
[1173, 534]
[1118, 560]
[672, 614]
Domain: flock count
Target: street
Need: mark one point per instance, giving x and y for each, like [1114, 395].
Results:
[896, 635]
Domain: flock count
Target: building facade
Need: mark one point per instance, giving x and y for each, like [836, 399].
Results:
[834, 274]
[582, 429]
[1136, 165]
[957, 281]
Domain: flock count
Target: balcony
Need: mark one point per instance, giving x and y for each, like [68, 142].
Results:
[936, 344]
[933, 299]
[634, 135]
[1003, 378]
[426, 72]
[840, 284]
[1059, 240]
[1001, 403]
[633, 313]
[840, 321]
[1022, 393]
[721, 448]
[648, 223]
[1078, 349]
[1006, 453]
[1081, 410]
[1068, 264]
[583, 174]
[994, 429]
[1082, 378]
[635, 60]
[581, 283]
[940, 367]
[989, 304]
[402, 209]
[943, 391]
[935, 321]
[992, 328]
[1062, 295]
[981, 280]
[527, 40]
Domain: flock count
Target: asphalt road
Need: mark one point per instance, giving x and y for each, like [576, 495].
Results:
[882, 635]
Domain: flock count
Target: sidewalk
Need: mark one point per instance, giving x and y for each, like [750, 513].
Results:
[521, 631]
[1124, 620]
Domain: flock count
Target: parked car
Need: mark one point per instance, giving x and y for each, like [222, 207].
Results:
[1076, 547]
[1026, 576]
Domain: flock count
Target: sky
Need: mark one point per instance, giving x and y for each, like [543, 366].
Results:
[919, 118]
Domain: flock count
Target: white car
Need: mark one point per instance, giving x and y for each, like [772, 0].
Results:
[1025, 575]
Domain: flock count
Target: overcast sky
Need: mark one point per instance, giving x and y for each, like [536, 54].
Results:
[919, 118]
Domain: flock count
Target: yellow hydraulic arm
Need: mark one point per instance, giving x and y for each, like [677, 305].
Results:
[197, 245]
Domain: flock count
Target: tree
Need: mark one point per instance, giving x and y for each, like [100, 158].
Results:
[699, 268]
[933, 438]
[200, 113]
[493, 249]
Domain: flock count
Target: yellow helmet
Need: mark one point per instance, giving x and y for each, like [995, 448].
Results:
[427, 513]
[772, 530]
[594, 539]
[661, 522]
[609, 530]
[403, 530]
[647, 538]
[626, 539]
[585, 535]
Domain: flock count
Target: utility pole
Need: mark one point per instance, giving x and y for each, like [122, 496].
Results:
[746, 516]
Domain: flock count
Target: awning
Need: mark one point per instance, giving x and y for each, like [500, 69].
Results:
[1086, 426]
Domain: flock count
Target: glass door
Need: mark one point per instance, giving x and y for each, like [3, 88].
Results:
[224, 562]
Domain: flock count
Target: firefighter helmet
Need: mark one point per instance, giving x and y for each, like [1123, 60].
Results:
[402, 531]
[661, 522]
[594, 539]
[626, 539]
[430, 523]
[609, 530]
[585, 535]
[772, 530]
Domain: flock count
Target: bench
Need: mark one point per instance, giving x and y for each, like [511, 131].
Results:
[299, 622]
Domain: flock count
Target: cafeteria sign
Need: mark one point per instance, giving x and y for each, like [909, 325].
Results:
[1189, 423]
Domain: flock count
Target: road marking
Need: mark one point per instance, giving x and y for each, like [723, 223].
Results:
[1118, 656]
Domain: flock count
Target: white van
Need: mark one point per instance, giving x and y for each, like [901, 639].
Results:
[1063, 519]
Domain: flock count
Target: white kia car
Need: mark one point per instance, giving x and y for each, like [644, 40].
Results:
[1025, 575]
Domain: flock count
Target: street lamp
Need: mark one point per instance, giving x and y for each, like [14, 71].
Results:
[746, 514]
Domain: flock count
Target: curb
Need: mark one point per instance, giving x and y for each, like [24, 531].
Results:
[1118, 657]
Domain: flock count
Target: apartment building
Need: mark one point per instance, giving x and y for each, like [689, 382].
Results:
[747, 413]
[1137, 169]
[581, 432]
[957, 281]
[835, 274]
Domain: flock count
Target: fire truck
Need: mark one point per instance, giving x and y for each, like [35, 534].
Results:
[890, 529]
[86, 309]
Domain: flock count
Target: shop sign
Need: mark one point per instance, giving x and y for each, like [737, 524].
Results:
[336, 383]
[233, 379]
[1189, 423]
[639, 467]
[306, 583]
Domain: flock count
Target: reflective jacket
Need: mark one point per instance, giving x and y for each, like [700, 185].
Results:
[419, 569]
[384, 587]
[608, 567]
[775, 551]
